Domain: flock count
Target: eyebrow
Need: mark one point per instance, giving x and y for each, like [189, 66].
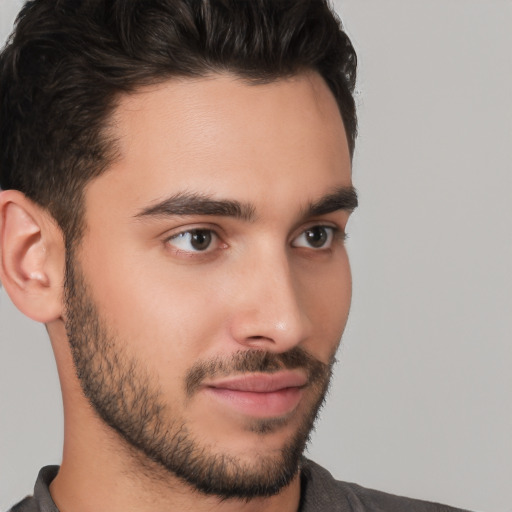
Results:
[343, 198]
[186, 203]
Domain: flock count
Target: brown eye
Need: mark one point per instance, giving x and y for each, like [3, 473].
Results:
[316, 237]
[194, 240]
[200, 239]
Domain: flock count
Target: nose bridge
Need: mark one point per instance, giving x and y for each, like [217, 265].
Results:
[270, 314]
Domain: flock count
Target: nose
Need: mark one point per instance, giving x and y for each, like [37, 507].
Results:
[269, 313]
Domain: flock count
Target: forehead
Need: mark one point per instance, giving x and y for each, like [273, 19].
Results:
[222, 135]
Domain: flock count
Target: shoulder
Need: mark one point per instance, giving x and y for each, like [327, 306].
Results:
[321, 492]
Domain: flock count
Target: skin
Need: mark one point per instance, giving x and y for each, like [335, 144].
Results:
[260, 286]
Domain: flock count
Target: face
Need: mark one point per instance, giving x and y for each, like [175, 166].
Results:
[208, 296]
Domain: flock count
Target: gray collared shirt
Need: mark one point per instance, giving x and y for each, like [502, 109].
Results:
[320, 492]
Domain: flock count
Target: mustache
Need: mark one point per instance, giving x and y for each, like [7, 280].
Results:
[251, 361]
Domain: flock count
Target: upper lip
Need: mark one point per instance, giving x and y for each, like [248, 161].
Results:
[261, 382]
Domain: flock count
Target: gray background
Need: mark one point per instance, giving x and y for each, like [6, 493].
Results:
[422, 400]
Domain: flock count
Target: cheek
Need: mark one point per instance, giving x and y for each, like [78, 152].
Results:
[163, 318]
[326, 295]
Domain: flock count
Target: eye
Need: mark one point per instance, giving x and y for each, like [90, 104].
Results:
[194, 240]
[316, 237]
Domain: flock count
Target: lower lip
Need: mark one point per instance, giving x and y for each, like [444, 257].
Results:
[259, 405]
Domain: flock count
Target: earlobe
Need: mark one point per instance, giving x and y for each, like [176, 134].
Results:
[31, 257]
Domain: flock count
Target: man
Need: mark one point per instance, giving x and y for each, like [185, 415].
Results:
[177, 183]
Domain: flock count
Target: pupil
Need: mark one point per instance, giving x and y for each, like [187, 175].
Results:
[201, 240]
[316, 237]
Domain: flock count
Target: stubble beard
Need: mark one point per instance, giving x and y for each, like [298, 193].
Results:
[128, 399]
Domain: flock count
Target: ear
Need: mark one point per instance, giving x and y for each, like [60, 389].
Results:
[31, 257]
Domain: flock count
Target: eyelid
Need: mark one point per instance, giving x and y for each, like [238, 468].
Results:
[336, 226]
[168, 234]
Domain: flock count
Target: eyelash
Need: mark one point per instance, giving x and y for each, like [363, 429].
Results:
[334, 234]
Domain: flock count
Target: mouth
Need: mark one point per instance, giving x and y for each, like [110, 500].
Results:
[260, 395]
